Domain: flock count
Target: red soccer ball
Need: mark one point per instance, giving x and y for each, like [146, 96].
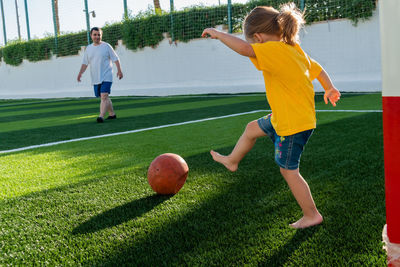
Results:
[167, 173]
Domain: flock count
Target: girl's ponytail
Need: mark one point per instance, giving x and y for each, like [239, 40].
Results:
[290, 20]
[285, 23]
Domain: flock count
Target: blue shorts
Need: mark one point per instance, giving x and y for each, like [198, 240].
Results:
[104, 87]
[288, 149]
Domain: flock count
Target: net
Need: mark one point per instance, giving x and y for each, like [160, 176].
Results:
[59, 28]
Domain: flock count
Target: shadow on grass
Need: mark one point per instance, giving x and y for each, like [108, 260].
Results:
[240, 218]
[72, 129]
[290, 247]
[233, 228]
[92, 107]
[121, 214]
[42, 135]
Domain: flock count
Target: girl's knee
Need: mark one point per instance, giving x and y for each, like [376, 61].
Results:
[253, 130]
[283, 171]
[286, 173]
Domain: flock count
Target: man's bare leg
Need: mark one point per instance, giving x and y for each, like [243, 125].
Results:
[103, 104]
[110, 108]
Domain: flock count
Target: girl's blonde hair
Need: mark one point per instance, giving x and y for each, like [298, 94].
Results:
[285, 23]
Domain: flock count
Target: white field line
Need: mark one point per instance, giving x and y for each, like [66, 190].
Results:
[351, 110]
[160, 127]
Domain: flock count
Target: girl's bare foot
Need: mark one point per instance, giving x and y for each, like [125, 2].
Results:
[224, 160]
[305, 222]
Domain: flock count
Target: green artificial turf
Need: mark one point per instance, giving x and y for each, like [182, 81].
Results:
[89, 203]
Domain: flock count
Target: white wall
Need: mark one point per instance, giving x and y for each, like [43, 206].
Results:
[350, 54]
[390, 40]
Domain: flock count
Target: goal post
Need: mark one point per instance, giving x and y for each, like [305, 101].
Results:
[389, 11]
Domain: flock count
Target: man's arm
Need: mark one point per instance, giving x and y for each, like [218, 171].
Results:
[331, 93]
[119, 73]
[82, 70]
[236, 44]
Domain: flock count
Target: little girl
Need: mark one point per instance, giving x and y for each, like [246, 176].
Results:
[273, 47]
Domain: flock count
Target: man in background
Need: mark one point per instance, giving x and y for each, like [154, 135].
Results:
[100, 55]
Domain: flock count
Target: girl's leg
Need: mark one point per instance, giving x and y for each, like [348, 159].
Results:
[242, 147]
[301, 192]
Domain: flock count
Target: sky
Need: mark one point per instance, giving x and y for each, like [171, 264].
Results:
[72, 15]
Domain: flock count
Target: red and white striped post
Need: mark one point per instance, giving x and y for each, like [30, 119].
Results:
[389, 15]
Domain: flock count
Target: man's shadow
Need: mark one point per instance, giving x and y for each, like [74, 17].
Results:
[120, 214]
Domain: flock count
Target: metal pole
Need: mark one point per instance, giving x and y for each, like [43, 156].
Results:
[125, 10]
[87, 22]
[55, 27]
[17, 16]
[171, 11]
[27, 21]
[302, 5]
[4, 23]
[230, 16]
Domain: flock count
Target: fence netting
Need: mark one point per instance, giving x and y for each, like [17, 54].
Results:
[60, 28]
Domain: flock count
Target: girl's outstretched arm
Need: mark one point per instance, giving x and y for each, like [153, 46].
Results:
[331, 93]
[236, 44]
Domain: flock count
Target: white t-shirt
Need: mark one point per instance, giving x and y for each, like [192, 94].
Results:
[100, 59]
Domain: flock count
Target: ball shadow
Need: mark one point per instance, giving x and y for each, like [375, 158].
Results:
[121, 214]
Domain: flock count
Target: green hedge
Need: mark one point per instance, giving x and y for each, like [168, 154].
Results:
[148, 31]
[142, 31]
[112, 33]
[354, 10]
[42, 49]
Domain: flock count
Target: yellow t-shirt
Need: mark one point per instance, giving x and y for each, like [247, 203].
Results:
[288, 73]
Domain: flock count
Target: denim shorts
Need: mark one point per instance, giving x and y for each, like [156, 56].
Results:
[288, 149]
[104, 87]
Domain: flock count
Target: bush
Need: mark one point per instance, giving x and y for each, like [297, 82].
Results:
[70, 44]
[112, 33]
[142, 32]
[37, 50]
[14, 53]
